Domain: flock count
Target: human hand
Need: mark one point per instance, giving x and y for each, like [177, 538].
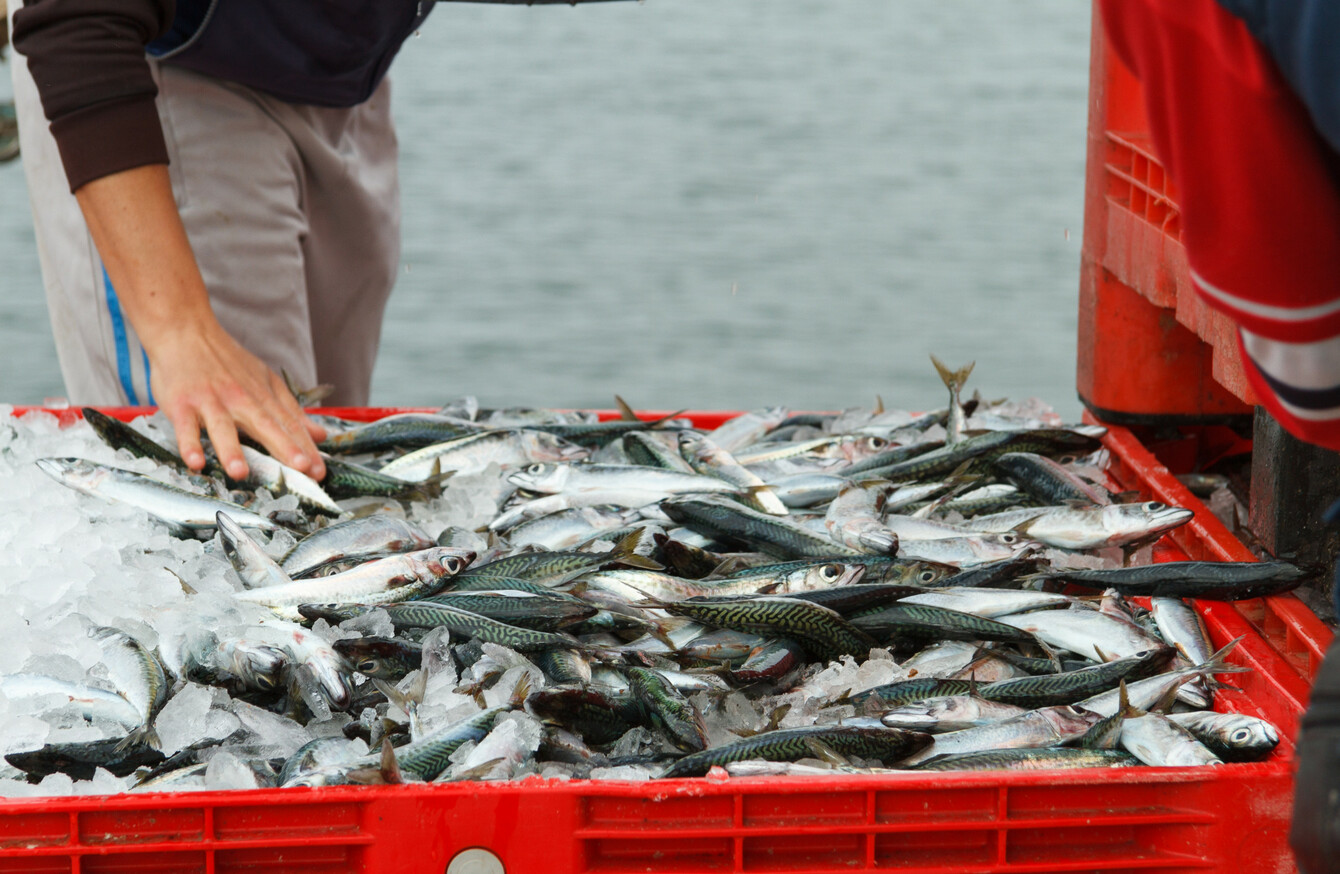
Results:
[202, 377]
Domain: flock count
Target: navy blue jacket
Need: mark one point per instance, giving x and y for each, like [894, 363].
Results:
[1303, 36]
[323, 52]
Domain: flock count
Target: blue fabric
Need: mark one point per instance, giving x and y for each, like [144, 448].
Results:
[122, 342]
[1303, 37]
[147, 387]
[321, 52]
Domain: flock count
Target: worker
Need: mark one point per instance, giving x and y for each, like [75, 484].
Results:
[216, 204]
[9, 126]
[1243, 98]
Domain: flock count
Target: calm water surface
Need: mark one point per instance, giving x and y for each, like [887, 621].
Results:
[714, 204]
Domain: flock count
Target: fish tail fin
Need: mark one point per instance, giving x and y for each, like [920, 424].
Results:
[625, 552]
[954, 380]
[1218, 664]
[520, 692]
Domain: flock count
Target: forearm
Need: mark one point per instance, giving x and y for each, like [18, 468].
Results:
[200, 374]
[134, 222]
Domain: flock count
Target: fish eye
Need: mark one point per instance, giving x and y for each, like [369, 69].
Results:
[926, 576]
[1242, 735]
[453, 565]
[366, 666]
[876, 442]
[1008, 538]
[830, 572]
[265, 682]
[535, 469]
[1153, 505]
[1068, 459]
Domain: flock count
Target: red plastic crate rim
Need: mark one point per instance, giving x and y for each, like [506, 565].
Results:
[1226, 819]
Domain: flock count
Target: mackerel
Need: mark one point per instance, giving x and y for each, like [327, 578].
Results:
[777, 536]
[394, 578]
[472, 453]
[356, 538]
[888, 745]
[177, 507]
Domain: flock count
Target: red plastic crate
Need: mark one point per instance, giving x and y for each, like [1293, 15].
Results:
[1233, 818]
[1149, 348]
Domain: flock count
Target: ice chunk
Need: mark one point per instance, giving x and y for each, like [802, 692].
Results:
[513, 740]
[56, 784]
[637, 741]
[104, 782]
[181, 722]
[226, 771]
[635, 773]
[375, 623]
[278, 735]
[548, 771]
[436, 657]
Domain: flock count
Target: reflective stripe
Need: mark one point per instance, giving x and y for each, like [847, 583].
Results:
[1266, 311]
[122, 345]
[1314, 366]
[148, 387]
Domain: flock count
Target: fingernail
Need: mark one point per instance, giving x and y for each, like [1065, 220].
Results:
[237, 470]
[299, 461]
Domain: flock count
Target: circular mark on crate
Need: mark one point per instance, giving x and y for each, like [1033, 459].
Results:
[475, 861]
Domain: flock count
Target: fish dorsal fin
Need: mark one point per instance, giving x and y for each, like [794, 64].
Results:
[1166, 700]
[478, 772]
[973, 689]
[1124, 708]
[1102, 656]
[520, 692]
[418, 688]
[1051, 654]
[775, 718]
[825, 753]
[879, 405]
[390, 764]
[726, 567]
[625, 412]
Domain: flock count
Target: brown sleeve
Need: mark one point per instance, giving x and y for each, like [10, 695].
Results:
[87, 58]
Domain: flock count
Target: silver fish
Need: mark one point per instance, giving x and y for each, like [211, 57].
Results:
[386, 580]
[370, 536]
[1045, 727]
[474, 452]
[175, 506]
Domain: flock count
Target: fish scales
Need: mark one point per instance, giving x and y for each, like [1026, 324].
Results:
[421, 614]
[888, 745]
[822, 632]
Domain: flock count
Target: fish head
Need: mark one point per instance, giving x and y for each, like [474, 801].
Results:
[1148, 518]
[74, 472]
[859, 447]
[543, 446]
[368, 655]
[330, 677]
[439, 562]
[914, 716]
[1069, 720]
[832, 574]
[1257, 736]
[994, 547]
[542, 478]
[257, 665]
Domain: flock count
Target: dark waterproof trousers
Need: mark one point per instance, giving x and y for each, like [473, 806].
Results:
[1316, 807]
